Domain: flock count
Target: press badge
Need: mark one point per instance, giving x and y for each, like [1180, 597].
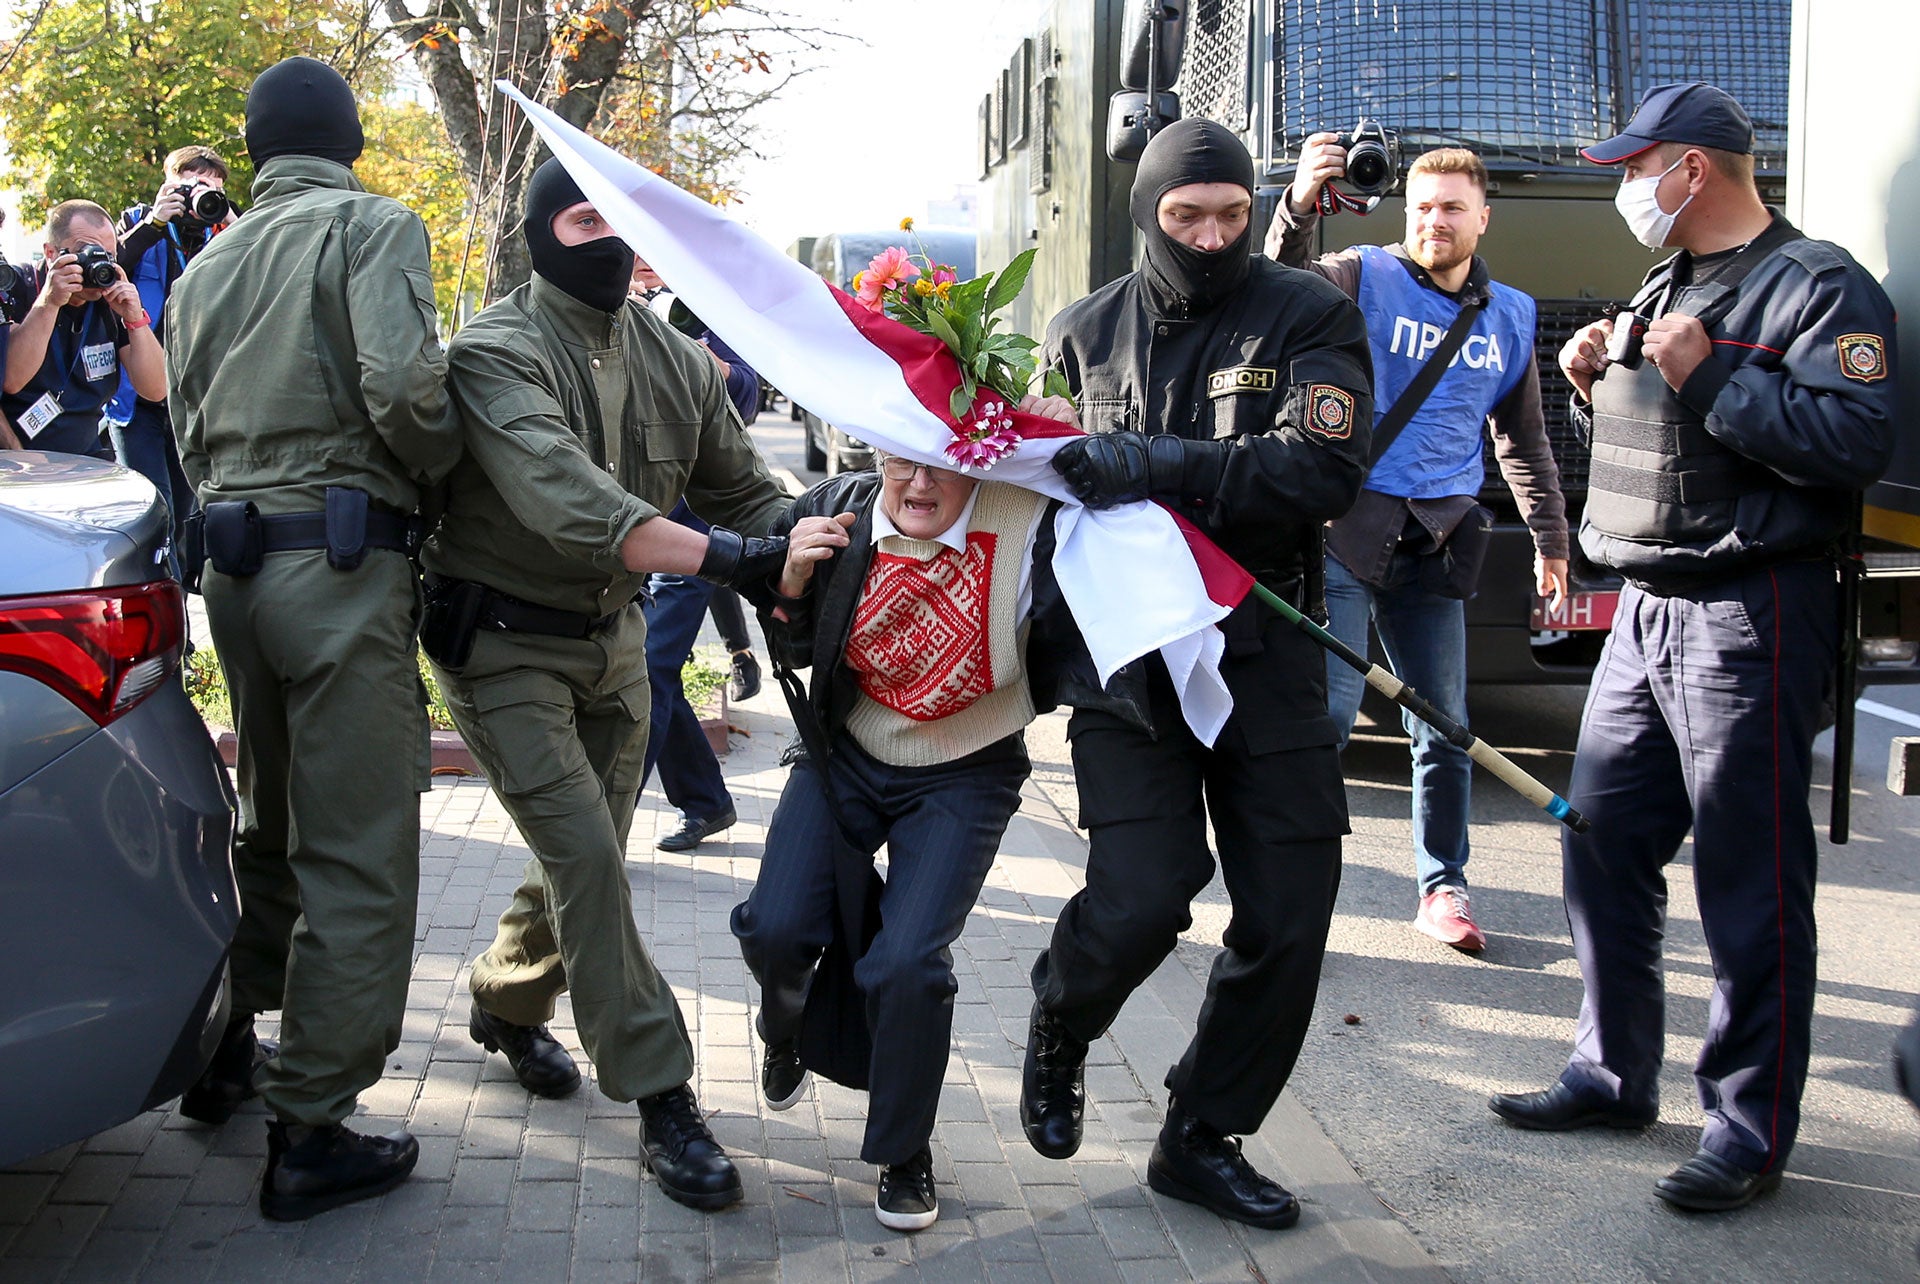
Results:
[98, 360]
[35, 418]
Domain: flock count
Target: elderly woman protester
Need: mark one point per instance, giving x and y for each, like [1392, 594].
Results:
[924, 636]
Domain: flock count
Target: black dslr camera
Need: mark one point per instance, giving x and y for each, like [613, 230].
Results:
[1373, 158]
[9, 276]
[97, 268]
[205, 205]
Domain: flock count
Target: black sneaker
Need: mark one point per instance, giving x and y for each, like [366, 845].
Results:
[782, 1078]
[906, 1199]
[681, 1151]
[310, 1170]
[228, 1079]
[743, 682]
[693, 831]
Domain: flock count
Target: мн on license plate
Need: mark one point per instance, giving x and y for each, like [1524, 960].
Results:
[1577, 611]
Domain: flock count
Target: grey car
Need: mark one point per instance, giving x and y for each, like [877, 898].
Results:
[117, 900]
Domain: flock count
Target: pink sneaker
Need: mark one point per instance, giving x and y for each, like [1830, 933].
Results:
[1446, 917]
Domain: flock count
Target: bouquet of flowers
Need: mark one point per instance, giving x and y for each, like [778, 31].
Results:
[930, 297]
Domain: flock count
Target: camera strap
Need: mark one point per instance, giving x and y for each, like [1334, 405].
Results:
[1415, 394]
[1333, 201]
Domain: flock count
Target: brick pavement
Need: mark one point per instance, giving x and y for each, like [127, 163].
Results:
[515, 1187]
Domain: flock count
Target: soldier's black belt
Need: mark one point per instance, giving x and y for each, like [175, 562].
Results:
[282, 532]
[502, 613]
[235, 536]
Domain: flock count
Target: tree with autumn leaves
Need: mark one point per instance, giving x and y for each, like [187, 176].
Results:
[99, 91]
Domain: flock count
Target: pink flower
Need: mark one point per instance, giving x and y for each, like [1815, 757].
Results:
[988, 439]
[889, 269]
[944, 275]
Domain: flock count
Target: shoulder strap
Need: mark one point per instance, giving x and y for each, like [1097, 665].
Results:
[1423, 384]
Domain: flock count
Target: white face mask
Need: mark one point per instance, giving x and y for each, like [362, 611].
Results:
[1638, 201]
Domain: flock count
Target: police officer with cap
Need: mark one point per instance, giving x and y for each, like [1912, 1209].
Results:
[309, 401]
[587, 418]
[1239, 392]
[1726, 456]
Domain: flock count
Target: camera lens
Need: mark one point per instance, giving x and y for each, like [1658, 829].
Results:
[9, 277]
[210, 205]
[1369, 168]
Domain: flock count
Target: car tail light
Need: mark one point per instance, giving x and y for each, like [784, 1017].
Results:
[105, 649]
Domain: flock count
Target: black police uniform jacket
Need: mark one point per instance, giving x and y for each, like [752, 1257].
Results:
[1799, 395]
[1274, 386]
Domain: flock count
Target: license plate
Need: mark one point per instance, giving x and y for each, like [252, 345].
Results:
[1576, 612]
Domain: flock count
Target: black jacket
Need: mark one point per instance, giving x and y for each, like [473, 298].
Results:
[1273, 388]
[1801, 382]
[814, 635]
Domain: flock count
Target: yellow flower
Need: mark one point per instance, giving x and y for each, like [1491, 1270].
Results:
[906, 225]
[923, 287]
[943, 289]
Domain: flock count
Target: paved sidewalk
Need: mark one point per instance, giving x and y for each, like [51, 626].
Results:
[519, 1188]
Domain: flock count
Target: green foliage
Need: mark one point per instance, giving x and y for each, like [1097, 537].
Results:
[704, 675]
[206, 684]
[99, 92]
[407, 158]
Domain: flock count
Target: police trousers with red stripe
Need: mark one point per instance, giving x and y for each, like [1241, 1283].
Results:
[1701, 717]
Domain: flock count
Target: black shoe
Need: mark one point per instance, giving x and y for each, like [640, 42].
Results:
[1195, 1162]
[1053, 1092]
[1906, 1061]
[310, 1170]
[744, 682]
[782, 1078]
[692, 831]
[1709, 1184]
[1562, 1109]
[906, 1200]
[542, 1066]
[228, 1079]
[682, 1153]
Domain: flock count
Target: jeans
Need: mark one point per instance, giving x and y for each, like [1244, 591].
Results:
[145, 444]
[689, 773]
[1425, 638]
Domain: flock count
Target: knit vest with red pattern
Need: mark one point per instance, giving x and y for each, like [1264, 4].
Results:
[936, 645]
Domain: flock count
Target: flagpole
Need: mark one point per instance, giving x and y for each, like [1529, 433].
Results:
[1383, 681]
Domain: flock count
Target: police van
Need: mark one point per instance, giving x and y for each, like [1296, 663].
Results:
[1525, 83]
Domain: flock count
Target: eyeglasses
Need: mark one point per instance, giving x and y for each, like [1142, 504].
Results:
[895, 468]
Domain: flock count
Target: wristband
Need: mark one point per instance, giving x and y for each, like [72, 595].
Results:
[142, 323]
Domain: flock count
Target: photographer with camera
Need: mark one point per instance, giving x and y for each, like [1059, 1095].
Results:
[65, 356]
[1452, 354]
[157, 242]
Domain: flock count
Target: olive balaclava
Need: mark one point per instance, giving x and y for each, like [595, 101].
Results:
[596, 273]
[1190, 151]
[300, 107]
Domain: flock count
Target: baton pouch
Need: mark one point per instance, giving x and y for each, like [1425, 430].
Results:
[450, 620]
[346, 527]
[191, 550]
[235, 537]
[1454, 569]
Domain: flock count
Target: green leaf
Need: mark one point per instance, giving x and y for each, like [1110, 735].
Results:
[961, 402]
[944, 332]
[1012, 279]
[1056, 385]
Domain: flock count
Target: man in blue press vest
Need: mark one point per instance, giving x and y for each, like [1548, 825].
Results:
[1407, 555]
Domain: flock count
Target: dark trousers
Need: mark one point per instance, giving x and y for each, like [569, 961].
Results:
[941, 826]
[145, 444]
[1702, 716]
[689, 773]
[730, 619]
[1145, 803]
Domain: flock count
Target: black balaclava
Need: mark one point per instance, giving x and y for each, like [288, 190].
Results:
[1190, 151]
[597, 273]
[299, 107]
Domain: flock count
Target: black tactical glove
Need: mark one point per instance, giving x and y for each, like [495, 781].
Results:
[737, 561]
[1105, 469]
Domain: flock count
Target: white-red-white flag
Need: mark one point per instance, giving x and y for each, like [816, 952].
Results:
[1136, 578]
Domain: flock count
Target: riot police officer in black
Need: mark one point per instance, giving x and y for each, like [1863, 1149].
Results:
[1239, 393]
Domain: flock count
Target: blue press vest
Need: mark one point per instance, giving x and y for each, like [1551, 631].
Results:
[1438, 453]
[149, 277]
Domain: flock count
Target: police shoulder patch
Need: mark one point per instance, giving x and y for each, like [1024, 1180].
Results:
[1329, 411]
[1224, 383]
[1863, 357]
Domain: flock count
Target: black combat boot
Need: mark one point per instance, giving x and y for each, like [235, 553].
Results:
[1053, 1094]
[228, 1079]
[312, 1169]
[1198, 1163]
[542, 1066]
[682, 1153]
